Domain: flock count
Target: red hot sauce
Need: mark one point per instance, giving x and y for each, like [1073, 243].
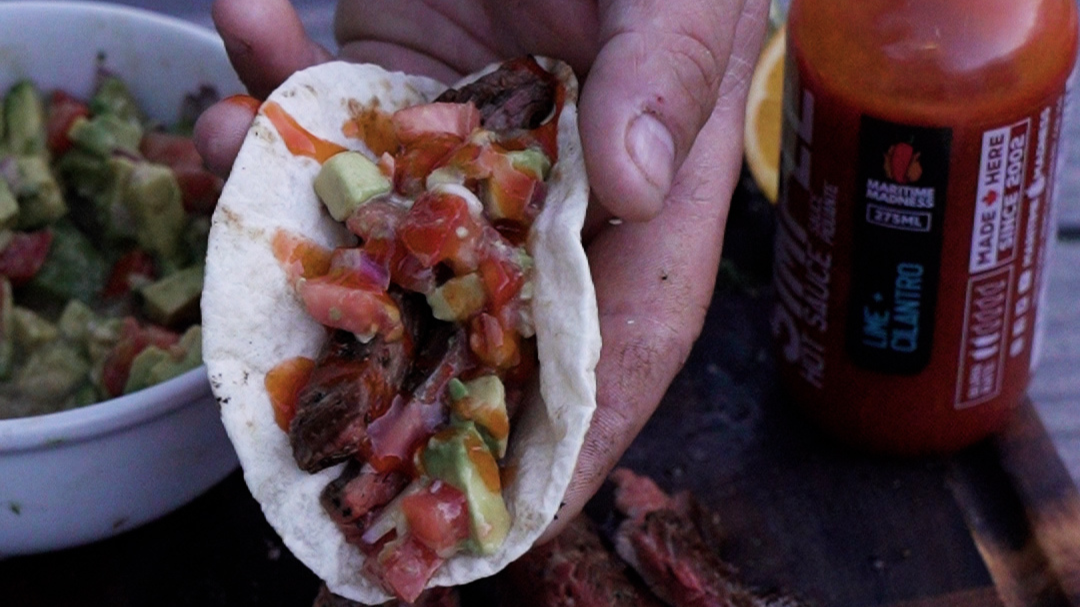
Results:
[917, 166]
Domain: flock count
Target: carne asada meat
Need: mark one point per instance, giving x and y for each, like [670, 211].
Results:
[518, 95]
[410, 420]
[350, 380]
[354, 497]
[574, 569]
[666, 548]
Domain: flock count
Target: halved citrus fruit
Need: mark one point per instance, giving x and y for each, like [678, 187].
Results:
[761, 137]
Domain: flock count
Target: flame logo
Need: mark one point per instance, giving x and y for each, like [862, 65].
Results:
[902, 164]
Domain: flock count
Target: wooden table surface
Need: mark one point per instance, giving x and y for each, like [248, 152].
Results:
[998, 524]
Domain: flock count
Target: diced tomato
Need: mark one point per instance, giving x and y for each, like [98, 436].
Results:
[337, 301]
[386, 164]
[134, 338]
[300, 257]
[438, 517]
[24, 255]
[409, 273]
[62, 112]
[376, 222]
[404, 567]
[492, 343]
[134, 268]
[475, 159]
[412, 166]
[418, 122]
[170, 149]
[199, 187]
[509, 192]
[361, 268]
[283, 384]
[440, 228]
[518, 377]
[502, 277]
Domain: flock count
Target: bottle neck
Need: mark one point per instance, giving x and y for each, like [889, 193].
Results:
[937, 52]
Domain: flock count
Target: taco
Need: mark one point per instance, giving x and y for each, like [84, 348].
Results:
[399, 321]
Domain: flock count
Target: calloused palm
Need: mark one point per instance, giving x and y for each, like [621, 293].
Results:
[661, 113]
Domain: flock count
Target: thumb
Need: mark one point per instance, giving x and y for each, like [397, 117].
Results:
[650, 90]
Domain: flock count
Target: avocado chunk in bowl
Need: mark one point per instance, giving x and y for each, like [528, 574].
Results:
[91, 471]
[100, 240]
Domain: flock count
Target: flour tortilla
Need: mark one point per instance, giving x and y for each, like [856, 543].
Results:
[252, 321]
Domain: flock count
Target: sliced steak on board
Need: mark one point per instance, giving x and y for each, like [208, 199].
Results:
[574, 569]
[663, 538]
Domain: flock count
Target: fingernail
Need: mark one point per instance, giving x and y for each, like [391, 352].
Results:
[652, 149]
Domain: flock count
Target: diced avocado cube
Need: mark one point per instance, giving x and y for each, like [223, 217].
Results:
[109, 198]
[484, 404]
[31, 330]
[83, 173]
[102, 336]
[142, 367]
[155, 365]
[87, 394]
[41, 201]
[531, 161]
[74, 322]
[113, 97]
[154, 199]
[52, 372]
[7, 328]
[458, 298]
[456, 388]
[348, 180]
[9, 206]
[24, 120]
[103, 135]
[459, 456]
[73, 269]
[174, 299]
[195, 237]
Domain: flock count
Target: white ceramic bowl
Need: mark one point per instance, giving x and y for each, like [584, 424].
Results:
[78, 476]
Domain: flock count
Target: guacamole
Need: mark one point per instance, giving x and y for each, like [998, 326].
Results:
[103, 223]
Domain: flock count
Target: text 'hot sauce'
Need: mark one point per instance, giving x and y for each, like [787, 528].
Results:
[917, 169]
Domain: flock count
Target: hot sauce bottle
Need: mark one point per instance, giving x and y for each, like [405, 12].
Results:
[919, 148]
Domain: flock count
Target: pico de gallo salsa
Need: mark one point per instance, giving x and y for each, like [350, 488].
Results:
[103, 223]
[430, 341]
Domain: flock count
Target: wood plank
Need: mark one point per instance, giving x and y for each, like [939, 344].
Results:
[1049, 495]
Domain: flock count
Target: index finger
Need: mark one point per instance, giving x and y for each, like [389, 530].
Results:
[266, 42]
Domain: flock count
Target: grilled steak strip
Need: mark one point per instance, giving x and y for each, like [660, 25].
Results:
[518, 95]
[350, 379]
[353, 498]
[573, 569]
[666, 548]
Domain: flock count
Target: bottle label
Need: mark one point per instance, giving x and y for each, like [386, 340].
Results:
[898, 227]
[911, 251]
[1010, 234]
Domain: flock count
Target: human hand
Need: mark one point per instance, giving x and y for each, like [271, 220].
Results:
[661, 116]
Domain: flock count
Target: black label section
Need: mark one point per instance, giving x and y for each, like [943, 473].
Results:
[898, 231]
